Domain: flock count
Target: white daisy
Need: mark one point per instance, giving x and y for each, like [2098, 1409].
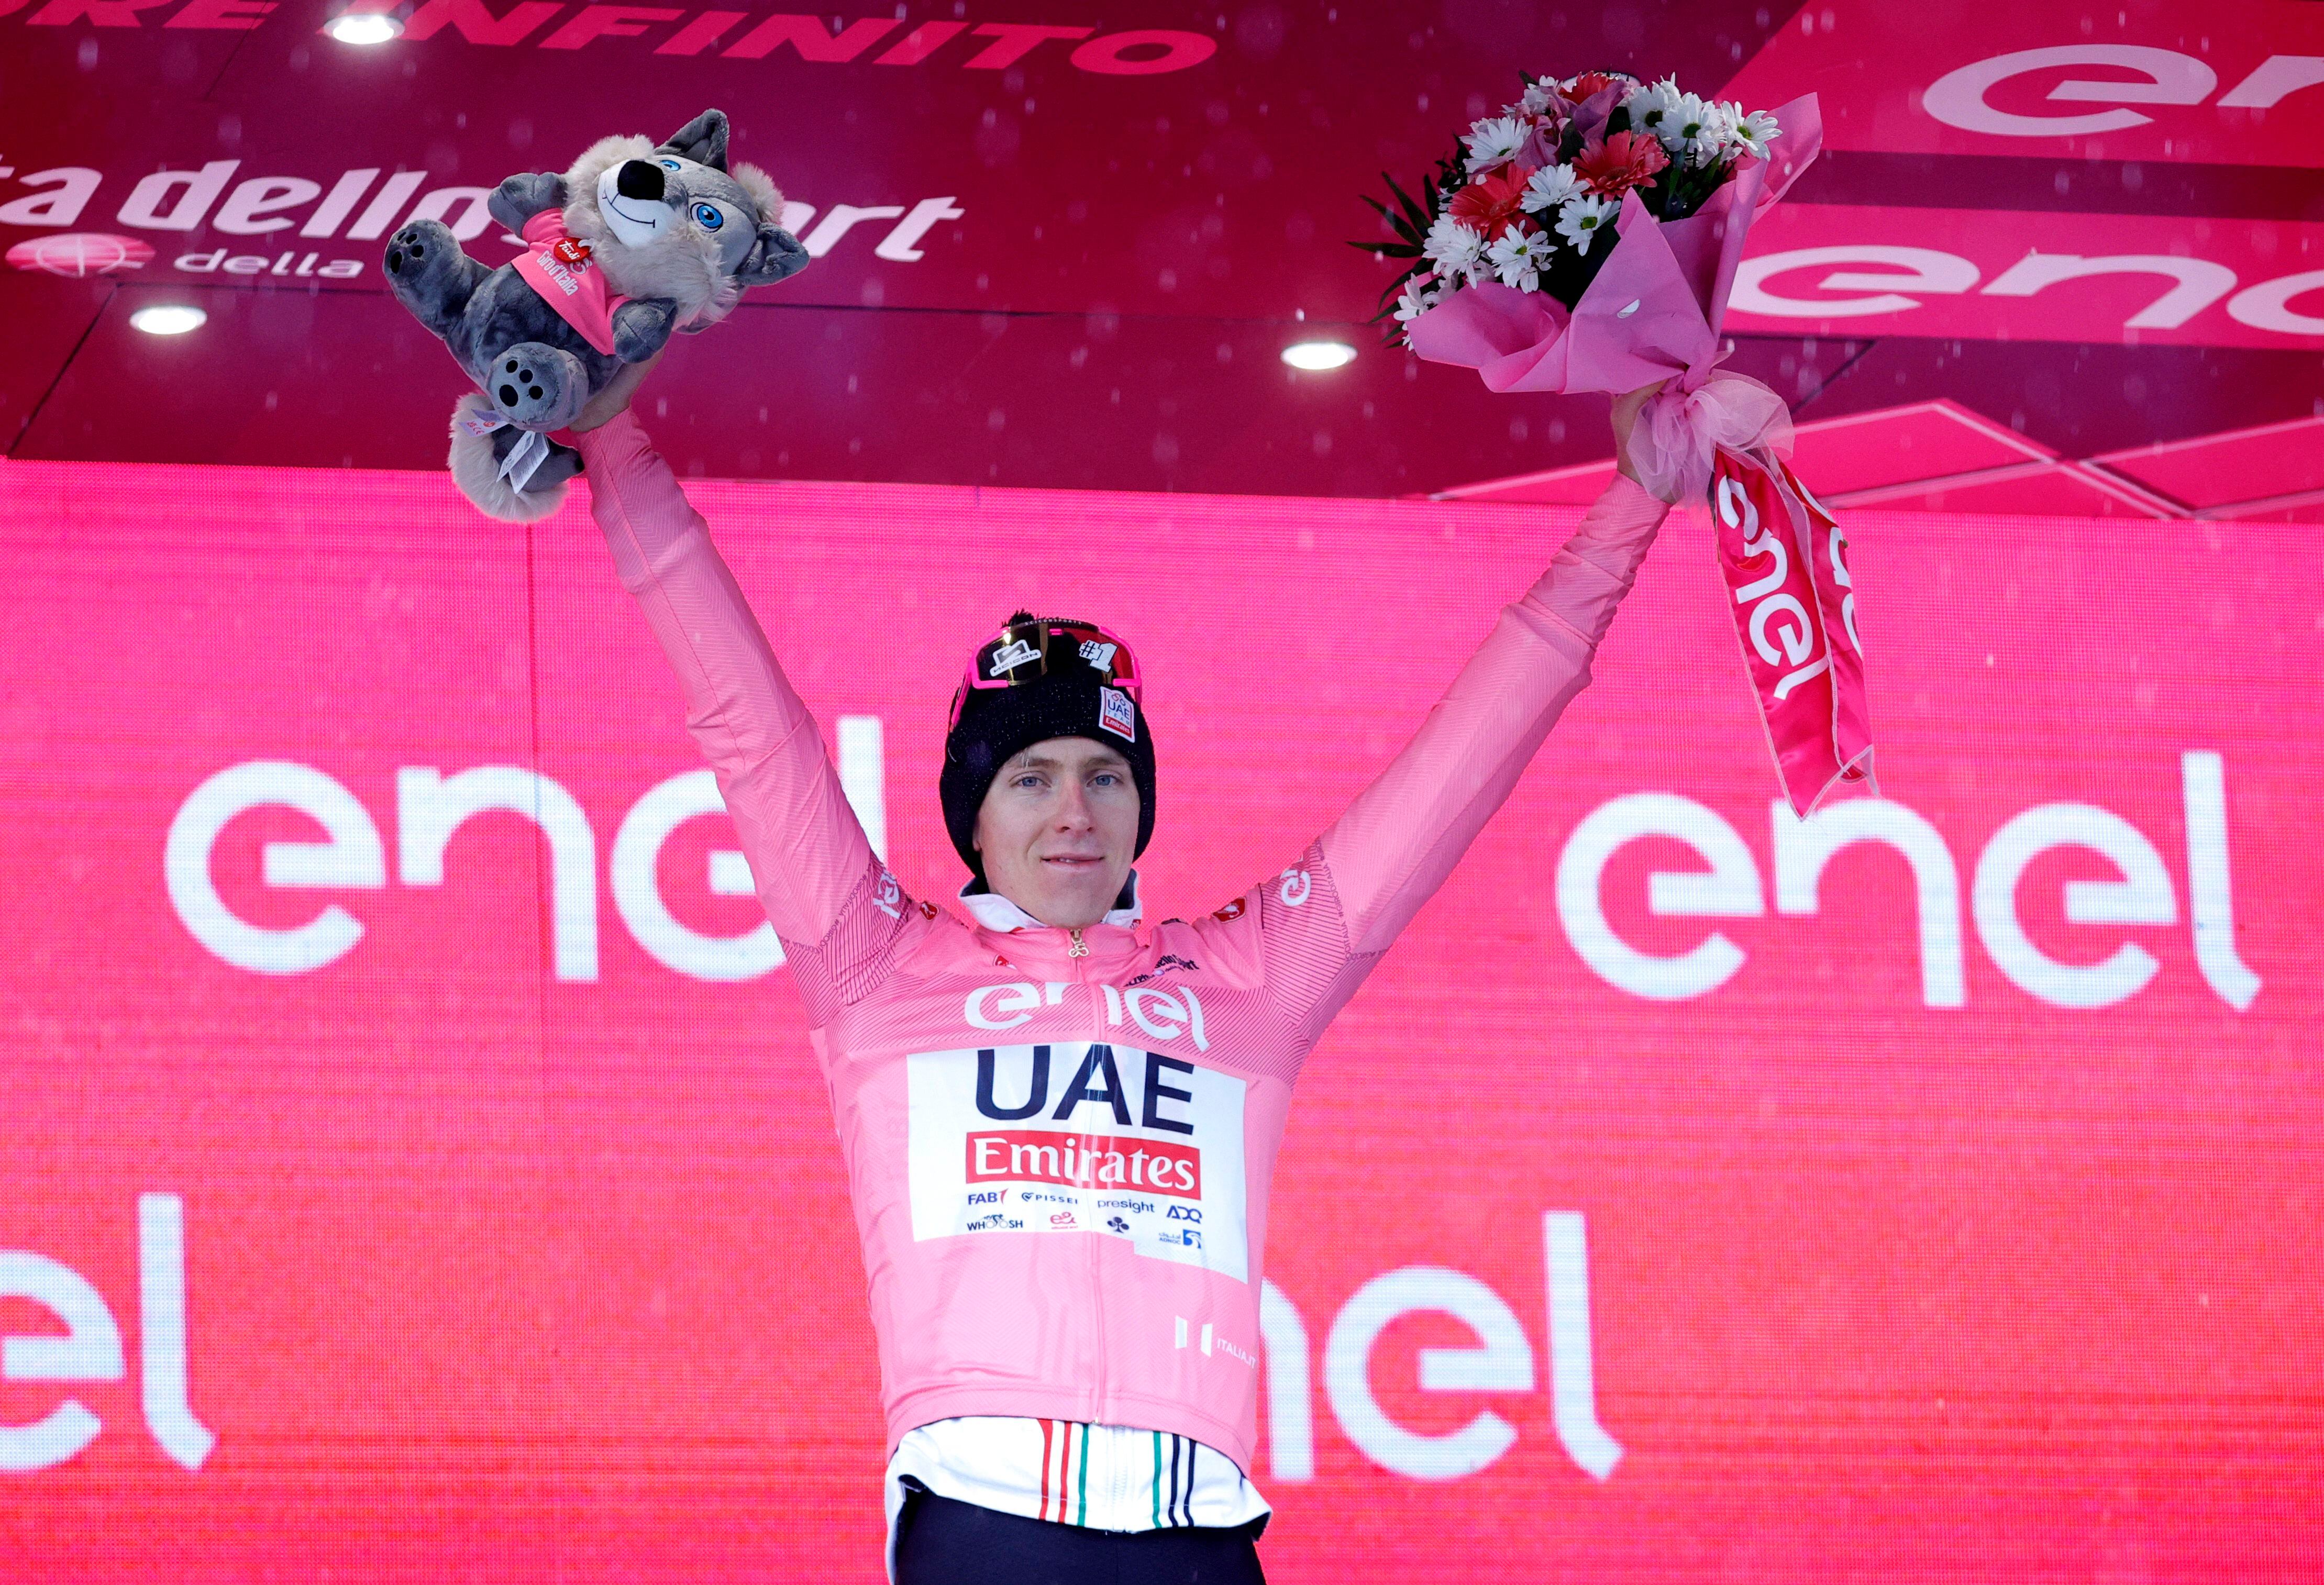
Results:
[1534, 101]
[1494, 142]
[1420, 295]
[1581, 219]
[1651, 107]
[1550, 186]
[1520, 256]
[1713, 136]
[1684, 125]
[1455, 249]
[1753, 133]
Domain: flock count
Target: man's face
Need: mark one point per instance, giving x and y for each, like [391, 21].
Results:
[1057, 829]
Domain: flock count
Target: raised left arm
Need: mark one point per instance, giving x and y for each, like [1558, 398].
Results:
[1398, 842]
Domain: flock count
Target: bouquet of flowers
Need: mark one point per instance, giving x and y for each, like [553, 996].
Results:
[1586, 239]
[1529, 197]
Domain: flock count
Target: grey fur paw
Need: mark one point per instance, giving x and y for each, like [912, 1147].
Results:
[521, 197]
[425, 266]
[642, 328]
[538, 387]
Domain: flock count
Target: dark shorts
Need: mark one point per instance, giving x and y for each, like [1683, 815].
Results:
[940, 1542]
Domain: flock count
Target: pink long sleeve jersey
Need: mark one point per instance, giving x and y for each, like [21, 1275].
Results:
[1060, 1163]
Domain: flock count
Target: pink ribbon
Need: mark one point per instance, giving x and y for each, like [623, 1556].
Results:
[1682, 427]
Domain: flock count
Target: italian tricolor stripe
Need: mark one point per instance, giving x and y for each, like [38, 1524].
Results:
[1065, 1472]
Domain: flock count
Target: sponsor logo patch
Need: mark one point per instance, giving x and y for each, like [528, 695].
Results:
[1115, 714]
[1168, 961]
[1009, 656]
[1076, 1141]
[1043, 1156]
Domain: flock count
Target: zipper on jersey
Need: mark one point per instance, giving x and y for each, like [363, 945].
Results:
[1080, 950]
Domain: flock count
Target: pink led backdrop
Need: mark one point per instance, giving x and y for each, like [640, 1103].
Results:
[411, 1176]
[2222, 82]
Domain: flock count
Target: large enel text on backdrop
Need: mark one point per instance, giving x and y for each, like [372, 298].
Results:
[408, 1098]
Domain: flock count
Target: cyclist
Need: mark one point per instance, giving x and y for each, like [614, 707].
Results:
[1060, 1121]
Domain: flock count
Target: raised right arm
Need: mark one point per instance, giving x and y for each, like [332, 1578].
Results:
[809, 862]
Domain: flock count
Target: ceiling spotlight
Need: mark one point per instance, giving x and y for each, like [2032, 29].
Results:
[1319, 354]
[169, 320]
[364, 27]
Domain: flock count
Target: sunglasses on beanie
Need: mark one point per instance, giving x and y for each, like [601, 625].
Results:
[1025, 652]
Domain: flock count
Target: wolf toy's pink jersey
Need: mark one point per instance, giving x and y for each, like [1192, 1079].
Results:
[1060, 1165]
[560, 268]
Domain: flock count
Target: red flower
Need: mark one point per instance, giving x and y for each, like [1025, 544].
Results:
[1625, 160]
[1591, 82]
[1490, 203]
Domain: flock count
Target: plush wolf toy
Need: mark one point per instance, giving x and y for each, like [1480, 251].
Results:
[633, 242]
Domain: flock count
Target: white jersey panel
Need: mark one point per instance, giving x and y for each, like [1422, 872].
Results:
[1081, 1138]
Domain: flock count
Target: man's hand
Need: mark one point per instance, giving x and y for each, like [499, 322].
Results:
[616, 395]
[1627, 409]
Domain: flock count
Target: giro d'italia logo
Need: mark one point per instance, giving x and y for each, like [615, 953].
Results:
[81, 253]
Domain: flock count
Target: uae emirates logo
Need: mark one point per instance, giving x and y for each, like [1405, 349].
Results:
[1115, 714]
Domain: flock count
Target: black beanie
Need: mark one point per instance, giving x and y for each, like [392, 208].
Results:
[996, 724]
